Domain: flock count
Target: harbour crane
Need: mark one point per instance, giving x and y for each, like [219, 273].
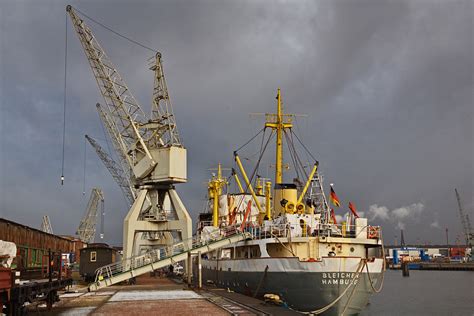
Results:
[150, 145]
[466, 223]
[46, 225]
[87, 227]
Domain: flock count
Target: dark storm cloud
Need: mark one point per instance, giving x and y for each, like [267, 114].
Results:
[387, 86]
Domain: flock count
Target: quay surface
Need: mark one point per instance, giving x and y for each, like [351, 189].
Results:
[158, 296]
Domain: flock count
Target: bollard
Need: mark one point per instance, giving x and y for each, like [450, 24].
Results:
[405, 269]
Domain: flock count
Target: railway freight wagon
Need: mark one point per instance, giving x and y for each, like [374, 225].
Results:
[33, 246]
[95, 256]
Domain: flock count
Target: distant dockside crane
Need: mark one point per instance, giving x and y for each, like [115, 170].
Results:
[87, 228]
[466, 223]
[46, 225]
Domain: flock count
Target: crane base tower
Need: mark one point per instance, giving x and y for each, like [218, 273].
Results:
[148, 224]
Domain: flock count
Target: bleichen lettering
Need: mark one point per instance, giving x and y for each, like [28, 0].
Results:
[339, 278]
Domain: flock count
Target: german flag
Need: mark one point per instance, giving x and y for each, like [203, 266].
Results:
[353, 209]
[334, 198]
[333, 216]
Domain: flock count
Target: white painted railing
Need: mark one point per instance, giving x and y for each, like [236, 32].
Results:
[156, 255]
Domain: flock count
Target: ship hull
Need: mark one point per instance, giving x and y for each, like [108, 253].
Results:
[304, 286]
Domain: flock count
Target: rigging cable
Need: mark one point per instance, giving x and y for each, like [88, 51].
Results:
[64, 106]
[115, 32]
[251, 139]
[261, 145]
[298, 163]
[302, 136]
[85, 157]
[298, 157]
[305, 148]
[293, 160]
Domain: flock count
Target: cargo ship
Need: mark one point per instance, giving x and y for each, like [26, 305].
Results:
[298, 255]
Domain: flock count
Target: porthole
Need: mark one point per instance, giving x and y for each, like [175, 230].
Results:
[352, 249]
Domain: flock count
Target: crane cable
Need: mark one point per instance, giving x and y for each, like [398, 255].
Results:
[115, 32]
[64, 105]
[85, 159]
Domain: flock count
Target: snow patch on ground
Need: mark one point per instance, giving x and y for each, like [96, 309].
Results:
[70, 295]
[78, 311]
[105, 293]
[153, 295]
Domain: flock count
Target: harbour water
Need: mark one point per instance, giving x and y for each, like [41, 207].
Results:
[424, 293]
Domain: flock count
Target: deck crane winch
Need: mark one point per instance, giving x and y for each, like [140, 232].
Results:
[150, 145]
[87, 227]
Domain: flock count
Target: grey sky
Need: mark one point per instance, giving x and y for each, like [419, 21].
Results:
[388, 87]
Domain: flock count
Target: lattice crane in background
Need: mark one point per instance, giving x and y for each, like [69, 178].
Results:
[150, 145]
[46, 225]
[466, 223]
[115, 170]
[87, 227]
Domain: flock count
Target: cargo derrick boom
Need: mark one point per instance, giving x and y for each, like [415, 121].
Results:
[150, 146]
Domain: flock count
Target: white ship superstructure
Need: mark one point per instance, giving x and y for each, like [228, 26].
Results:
[297, 251]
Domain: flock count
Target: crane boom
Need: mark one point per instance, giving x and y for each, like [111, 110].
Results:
[117, 173]
[87, 227]
[122, 106]
[162, 109]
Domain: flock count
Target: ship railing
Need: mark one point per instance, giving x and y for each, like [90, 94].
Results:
[350, 231]
[267, 231]
[155, 255]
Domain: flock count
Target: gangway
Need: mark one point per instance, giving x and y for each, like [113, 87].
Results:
[158, 258]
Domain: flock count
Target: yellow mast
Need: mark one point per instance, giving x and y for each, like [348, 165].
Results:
[279, 149]
[215, 191]
[279, 122]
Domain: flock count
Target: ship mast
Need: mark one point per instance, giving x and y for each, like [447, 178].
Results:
[279, 122]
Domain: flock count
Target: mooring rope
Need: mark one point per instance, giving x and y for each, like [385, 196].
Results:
[351, 284]
[383, 271]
